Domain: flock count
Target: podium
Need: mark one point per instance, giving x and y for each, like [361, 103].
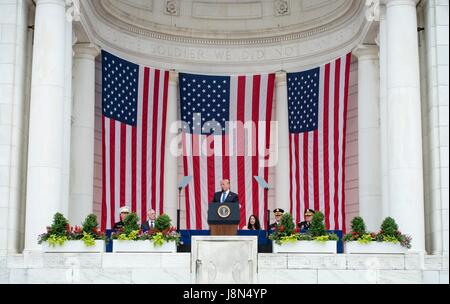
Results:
[223, 218]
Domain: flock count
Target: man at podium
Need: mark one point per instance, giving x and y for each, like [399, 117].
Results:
[225, 196]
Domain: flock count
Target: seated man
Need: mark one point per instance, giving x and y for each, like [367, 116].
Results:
[278, 213]
[307, 222]
[124, 211]
[150, 222]
[225, 196]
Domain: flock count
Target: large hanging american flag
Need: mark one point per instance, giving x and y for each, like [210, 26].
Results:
[208, 104]
[317, 105]
[134, 112]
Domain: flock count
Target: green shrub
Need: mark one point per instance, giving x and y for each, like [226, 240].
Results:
[317, 225]
[162, 222]
[358, 225]
[130, 223]
[287, 223]
[59, 225]
[389, 227]
[90, 224]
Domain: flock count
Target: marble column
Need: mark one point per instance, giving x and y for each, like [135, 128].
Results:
[46, 120]
[405, 172]
[369, 136]
[67, 118]
[382, 42]
[282, 165]
[171, 164]
[83, 130]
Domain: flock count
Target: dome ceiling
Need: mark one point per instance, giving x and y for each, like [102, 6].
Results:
[229, 35]
[225, 19]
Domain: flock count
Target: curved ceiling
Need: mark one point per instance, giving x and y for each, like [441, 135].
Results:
[231, 35]
[225, 19]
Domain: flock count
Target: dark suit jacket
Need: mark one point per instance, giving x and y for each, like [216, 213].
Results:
[231, 197]
[145, 226]
[118, 226]
[273, 226]
[304, 225]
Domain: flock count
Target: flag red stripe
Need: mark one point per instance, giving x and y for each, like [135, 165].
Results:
[163, 142]
[346, 86]
[269, 103]
[226, 158]
[291, 206]
[336, 140]
[197, 185]
[186, 190]
[112, 158]
[297, 172]
[145, 102]
[255, 120]
[134, 168]
[210, 159]
[104, 215]
[305, 170]
[316, 168]
[154, 137]
[326, 173]
[240, 158]
[123, 155]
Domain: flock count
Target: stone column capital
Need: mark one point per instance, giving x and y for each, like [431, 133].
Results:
[366, 52]
[72, 10]
[86, 50]
[280, 78]
[401, 2]
[372, 10]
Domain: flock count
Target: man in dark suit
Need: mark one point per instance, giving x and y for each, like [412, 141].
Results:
[225, 196]
[150, 222]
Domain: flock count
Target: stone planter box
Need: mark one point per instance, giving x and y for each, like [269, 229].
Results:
[306, 247]
[143, 246]
[374, 247]
[74, 246]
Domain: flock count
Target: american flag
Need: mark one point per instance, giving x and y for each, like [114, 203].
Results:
[317, 105]
[134, 108]
[212, 152]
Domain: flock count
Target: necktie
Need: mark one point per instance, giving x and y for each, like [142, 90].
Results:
[223, 197]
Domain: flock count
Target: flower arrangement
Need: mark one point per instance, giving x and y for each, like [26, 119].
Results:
[388, 233]
[60, 231]
[163, 231]
[287, 232]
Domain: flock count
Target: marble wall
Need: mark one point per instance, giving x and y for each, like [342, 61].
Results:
[174, 268]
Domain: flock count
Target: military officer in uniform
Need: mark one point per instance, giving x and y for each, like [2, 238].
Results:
[307, 222]
[278, 213]
[124, 211]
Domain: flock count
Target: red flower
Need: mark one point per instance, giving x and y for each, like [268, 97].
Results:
[94, 230]
[77, 229]
[281, 228]
[68, 228]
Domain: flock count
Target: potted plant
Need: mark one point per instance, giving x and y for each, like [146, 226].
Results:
[163, 238]
[288, 239]
[389, 240]
[61, 237]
